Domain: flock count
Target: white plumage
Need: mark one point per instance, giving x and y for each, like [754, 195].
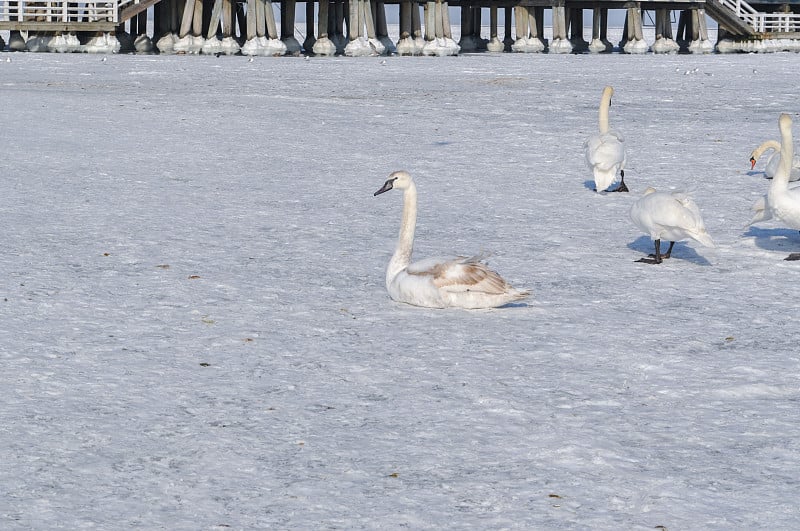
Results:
[782, 202]
[605, 151]
[460, 282]
[670, 216]
[773, 160]
[761, 210]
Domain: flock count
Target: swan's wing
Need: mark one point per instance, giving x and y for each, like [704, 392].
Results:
[469, 274]
[683, 216]
[794, 193]
[794, 175]
[688, 203]
[761, 211]
[616, 134]
[664, 210]
[460, 274]
[606, 150]
[772, 165]
[430, 266]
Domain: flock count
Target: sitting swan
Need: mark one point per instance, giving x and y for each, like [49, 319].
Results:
[668, 215]
[439, 282]
[605, 151]
[773, 160]
[782, 202]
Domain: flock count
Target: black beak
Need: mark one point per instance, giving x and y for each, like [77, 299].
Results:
[385, 188]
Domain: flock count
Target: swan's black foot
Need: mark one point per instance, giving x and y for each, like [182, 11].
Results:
[658, 257]
[793, 257]
[622, 187]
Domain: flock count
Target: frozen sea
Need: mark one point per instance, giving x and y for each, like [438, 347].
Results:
[196, 332]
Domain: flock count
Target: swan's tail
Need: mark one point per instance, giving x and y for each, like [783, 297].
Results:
[518, 294]
[704, 238]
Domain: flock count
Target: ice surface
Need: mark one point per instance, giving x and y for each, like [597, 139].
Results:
[196, 332]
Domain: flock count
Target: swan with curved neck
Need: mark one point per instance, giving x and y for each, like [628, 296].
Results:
[605, 151]
[784, 202]
[670, 216]
[772, 161]
[459, 282]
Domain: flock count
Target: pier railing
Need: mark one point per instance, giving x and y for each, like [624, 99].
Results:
[68, 15]
[764, 22]
[63, 15]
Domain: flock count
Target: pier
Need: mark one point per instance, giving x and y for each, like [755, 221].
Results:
[359, 27]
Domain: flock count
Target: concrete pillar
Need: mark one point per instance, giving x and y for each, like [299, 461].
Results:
[560, 42]
[310, 40]
[494, 45]
[634, 35]
[664, 41]
[287, 27]
[600, 42]
[575, 27]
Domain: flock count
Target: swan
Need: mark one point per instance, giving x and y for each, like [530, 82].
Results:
[459, 282]
[782, 202]
[605, 151]
[773, 160]
[668, 215]
[761, 209]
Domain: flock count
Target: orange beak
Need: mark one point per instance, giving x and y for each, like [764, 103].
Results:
[752, 163]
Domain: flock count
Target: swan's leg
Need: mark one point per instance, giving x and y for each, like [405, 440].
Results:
[793, 257]
[665, 255]
[656, 258]
[669, 251]
[622, 187]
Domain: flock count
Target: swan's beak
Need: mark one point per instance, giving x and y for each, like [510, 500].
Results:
[385, 188]
[752, 163]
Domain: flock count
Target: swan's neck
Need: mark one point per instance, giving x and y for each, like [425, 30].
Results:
[781, 179]
[769, 144]
[605, 103]
[405, 242]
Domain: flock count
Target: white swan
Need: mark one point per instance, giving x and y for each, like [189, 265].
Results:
[761, 209]
[671, 216]
[605, 151]
[439, 282]
[773, 160]
[782, 202]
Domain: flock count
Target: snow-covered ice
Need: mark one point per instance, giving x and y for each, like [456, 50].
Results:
[196, 332]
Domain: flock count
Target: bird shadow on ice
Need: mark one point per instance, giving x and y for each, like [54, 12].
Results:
[589, 184]
[516, 305]
[681, 251]
[773, 239]
[757, 173]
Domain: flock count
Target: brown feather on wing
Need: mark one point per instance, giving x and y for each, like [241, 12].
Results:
[469, 274]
